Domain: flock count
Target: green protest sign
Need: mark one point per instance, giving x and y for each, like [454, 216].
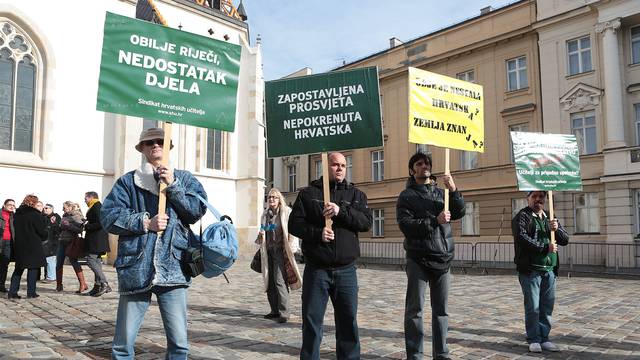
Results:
[546, 161]
[156, 72]
[325, 112]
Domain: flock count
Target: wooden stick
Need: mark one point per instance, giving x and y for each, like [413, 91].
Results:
[551, 216]
[325, 187]
[446, 172]
[162, 198]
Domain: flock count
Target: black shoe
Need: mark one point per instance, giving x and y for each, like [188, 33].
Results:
[93, 291]
[33, 296]
[271, 316]
[103, 289]
[13, 296]
[281, 319]
[3, 290]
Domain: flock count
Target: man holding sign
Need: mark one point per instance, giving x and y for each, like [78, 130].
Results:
[330, 254]
[424, 221]
[151, 244]
[537, 263]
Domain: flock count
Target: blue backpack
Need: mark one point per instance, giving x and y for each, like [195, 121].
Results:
[219, 244]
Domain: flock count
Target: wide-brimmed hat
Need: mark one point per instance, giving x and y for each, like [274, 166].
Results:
[150, 134]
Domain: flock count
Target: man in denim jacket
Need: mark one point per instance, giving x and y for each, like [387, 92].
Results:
[147, 263]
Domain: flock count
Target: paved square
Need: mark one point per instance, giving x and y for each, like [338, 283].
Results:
[594, 319]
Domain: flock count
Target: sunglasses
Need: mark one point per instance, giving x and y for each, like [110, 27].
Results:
[153, 142]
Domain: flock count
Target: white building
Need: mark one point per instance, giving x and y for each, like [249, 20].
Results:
[54, 143]
[590, 79]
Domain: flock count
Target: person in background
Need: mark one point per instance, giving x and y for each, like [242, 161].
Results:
[280, 246]
[96, 242]
[70, 228]
[40, 208]
[50, 246]
[7, 231]
[30, 233]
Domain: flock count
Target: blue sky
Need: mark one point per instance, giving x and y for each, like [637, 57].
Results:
[323, 34]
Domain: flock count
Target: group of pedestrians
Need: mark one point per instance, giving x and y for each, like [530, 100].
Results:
[34, 236]
[151, 247]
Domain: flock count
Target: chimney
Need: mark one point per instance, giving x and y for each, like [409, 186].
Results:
[485, 10]
[393, 42]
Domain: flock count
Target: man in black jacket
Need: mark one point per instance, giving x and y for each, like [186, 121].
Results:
[330, 255]
[429, 246]
[537, 263]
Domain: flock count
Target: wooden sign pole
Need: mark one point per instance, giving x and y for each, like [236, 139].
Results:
[325, 187]
[446, 172]
[162, 198]
[551, 216]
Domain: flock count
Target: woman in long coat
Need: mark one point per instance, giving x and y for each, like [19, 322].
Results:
[96, 244]
[31, 231]
[70, 227]
[279, 270]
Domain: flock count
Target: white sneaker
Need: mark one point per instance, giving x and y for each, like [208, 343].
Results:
[535, 347]
[549, 346]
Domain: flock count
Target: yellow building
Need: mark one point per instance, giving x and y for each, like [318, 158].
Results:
[481, 49]
[546, 67]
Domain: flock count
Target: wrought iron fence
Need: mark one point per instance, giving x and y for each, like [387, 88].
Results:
[615, 258]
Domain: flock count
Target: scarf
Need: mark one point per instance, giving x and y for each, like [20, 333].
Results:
[92, 202]
[144, 177]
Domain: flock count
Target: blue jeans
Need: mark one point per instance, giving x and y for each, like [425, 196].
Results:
[539, 290]
[172, 301]
[51, 267]
[32, 277]
[342, 287]
[60, 258]
[418, 277]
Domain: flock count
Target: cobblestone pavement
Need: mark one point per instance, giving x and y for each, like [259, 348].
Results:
[594, 319]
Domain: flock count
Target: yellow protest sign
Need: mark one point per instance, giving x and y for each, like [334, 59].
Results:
[445, 112]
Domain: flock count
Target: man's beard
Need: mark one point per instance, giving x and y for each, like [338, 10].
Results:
[422, 176]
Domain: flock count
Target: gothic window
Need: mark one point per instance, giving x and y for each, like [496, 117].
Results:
[19, 68]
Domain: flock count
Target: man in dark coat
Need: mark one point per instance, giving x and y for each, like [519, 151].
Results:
[7, 231]
[536, 259]
[30, 233]
[428, 241]
[96, 244]
[330, 254]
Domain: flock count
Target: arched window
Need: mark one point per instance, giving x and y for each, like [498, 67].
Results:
[18, 71]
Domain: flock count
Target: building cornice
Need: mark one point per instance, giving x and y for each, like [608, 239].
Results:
[445, 56]
[518, 109]
[561, 18]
